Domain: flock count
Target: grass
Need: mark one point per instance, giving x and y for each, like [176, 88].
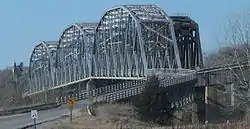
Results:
[122, 116]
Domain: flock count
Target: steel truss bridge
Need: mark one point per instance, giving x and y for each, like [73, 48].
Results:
[128, 44]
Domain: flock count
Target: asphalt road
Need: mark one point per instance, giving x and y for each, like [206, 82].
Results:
[19, 120]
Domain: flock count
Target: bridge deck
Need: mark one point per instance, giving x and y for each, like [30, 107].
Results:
[131, 88]
[161, 73]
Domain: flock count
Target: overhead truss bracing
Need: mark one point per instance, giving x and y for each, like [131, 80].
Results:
[188, 40]
[127, 42]
[73, 61]
[132, 39]
[41, 65]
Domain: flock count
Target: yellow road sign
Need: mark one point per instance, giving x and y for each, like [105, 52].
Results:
[71, 103]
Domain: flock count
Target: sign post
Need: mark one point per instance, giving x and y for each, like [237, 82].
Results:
[71, 103]
[34, 116]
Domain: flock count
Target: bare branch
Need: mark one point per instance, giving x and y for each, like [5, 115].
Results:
[236, 51]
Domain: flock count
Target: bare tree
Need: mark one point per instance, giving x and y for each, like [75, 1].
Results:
[9, 95]
[236, 51]
[238, 37]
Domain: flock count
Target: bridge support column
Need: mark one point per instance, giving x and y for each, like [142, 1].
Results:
[232, 92]
[45, 97]
[60, 92]
[90, 85]
[79, 88]
[206, 103]
[199, 105]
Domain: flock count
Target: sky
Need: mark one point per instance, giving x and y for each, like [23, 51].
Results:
[25, 23]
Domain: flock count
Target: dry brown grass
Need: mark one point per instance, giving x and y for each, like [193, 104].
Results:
[237, 125]
[107, 117]
[122, 116]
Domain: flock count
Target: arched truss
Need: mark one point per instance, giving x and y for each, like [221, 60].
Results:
[132, 39]
[188, 40]
[73, 59]
[41, 65]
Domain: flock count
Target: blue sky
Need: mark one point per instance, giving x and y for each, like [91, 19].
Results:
[24, 23]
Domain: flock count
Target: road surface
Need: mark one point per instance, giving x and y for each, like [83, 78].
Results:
[16, 121]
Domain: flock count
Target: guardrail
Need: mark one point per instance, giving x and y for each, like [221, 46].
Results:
[26, 109]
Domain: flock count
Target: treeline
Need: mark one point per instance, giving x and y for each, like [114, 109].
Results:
[230, 101]
[11, 88]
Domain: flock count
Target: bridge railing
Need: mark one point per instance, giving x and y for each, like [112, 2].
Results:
[137, 89]
[126, 89]
[223, 67]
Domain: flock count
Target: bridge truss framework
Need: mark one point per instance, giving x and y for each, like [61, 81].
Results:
[127, 43]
